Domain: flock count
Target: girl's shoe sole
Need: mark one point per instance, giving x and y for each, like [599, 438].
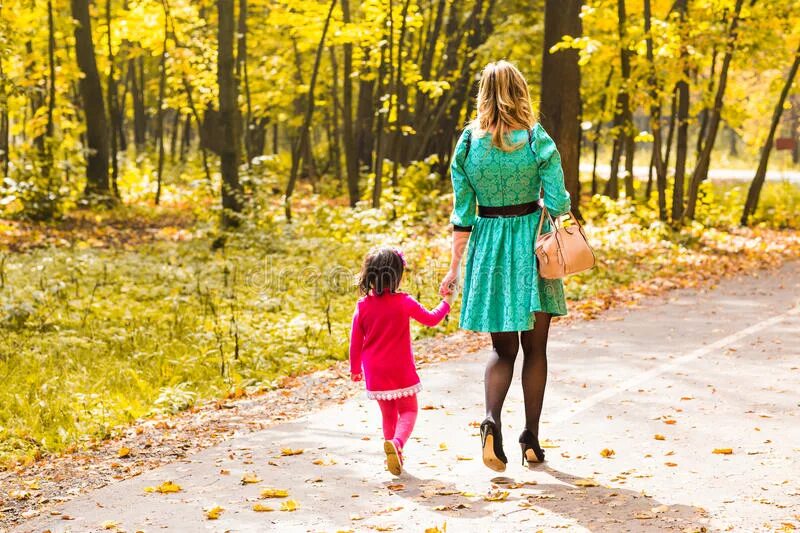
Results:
[489, 458]
[392, 458]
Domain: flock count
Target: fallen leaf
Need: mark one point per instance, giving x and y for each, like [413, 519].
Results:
[383, 528]
[289, 506]
[671, 464]
[606, 452]
[436, 529]
[463, 458]
[548, 444]
[328, 461]
[250, 477]
[442, 446]
[109, 524]
[587, 482]
[723, 451]
[123, 452]
[496, 496]
[290, 451]
[213, 513]
[670, 421]
[164, 488]
[261, 508]
[658, 436]
[395, 486]
[274, 493]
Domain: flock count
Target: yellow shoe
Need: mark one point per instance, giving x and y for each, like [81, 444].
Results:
[394, 461]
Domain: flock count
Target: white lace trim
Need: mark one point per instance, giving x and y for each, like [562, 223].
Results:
[394, 394]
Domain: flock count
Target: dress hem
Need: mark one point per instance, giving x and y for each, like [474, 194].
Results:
[394, 394]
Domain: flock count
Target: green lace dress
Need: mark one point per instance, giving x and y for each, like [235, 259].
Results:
[502, 288]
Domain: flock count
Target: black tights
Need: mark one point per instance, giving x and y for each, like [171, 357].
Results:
[500, 370]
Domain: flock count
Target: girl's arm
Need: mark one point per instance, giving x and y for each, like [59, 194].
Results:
[356, 342]
[428, 318]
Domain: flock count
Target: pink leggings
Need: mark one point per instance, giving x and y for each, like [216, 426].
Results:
[399, 416]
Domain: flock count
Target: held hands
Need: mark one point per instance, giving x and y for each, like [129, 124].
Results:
[356, 376]
[449, 287]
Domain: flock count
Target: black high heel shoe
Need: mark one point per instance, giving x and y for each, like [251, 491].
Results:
[531, 451]
[492, 444]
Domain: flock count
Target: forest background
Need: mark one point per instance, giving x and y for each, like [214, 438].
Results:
[188, 187]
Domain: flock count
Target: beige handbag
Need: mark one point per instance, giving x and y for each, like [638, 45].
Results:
[563, 250]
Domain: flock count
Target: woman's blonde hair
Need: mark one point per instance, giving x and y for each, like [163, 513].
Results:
[503, 104]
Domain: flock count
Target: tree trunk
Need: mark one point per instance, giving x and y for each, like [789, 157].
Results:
[137, 96]
[754, 192]
[51, 96]
[704, 160]
[365, 118]
[302, 142]
[93, 108]
[334, 133]
[561, 97]
[655, 118]
[162, 85]
[598, 128]
[350, 145]
[111, 95]
[4, 130]
[228, 113]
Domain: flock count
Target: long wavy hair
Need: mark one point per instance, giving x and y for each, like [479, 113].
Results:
[503, 104]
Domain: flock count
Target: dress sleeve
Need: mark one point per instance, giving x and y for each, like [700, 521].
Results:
[556, 197]
[428, 318]
[464, 202]
[356, 342]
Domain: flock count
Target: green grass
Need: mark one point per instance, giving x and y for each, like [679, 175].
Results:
[94, 338]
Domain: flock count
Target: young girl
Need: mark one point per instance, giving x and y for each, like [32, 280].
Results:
[380, 346]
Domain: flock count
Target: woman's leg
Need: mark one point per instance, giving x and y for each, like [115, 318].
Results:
[534, 370]
[499, 371]
[407, 409]
[389, 414]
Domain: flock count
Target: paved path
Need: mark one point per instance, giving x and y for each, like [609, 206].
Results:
[721, 174]
[724, 364]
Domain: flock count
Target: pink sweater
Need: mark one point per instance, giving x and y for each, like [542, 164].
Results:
[380, 342]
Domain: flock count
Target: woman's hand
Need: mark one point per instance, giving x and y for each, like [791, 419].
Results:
[448, 283]
[357, 377]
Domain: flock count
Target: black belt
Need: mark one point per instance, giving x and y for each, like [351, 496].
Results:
[506, 211]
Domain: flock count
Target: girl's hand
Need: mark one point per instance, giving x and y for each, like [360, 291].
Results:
[448, 283]
[357, 377]
[450, 298]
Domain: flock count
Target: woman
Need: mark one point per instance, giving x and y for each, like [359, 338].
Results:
[502, 161]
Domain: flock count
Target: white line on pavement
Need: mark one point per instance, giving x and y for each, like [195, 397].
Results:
[587, 403]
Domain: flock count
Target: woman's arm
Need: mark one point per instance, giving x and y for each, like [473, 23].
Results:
[556, 197]
[460, 239]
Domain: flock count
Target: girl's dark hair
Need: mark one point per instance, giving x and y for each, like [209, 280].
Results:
[382, 271]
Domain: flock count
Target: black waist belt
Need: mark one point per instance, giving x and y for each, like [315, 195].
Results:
[505, 211]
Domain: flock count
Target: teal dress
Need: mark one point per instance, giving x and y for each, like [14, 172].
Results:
[502, 287]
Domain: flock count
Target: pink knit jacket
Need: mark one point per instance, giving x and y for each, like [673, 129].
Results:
[380, 342]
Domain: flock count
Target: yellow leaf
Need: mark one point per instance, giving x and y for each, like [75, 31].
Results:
[290, 451]
[548, 444]
[274, 493]
[261, 508]
[723, 451]
[670, 421]
[442, 445]
[658, 436]
[250, 477]
[123, 452]
[436, 529]
[289, 506]
[109, 524]
[671, 464]
[33, 485]
[324, 462]
[586, 483]
[164, 488]
[606, 452]
[463, 458]
[214, 512]
[496, 496]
